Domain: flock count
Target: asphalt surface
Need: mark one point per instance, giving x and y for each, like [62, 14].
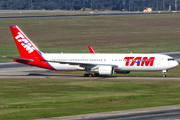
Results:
[154, 113]
[77, 13]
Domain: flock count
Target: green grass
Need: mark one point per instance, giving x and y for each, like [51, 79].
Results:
[115, 34]
[38, 98]
[41, 98]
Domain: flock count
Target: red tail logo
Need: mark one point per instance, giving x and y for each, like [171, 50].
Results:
[25, 43]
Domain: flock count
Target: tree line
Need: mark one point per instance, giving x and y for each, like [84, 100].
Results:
[120, 5]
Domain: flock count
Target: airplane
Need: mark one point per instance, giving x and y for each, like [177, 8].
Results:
[95, 64]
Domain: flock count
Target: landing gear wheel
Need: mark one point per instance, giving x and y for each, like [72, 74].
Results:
[91, 75]
[164, 75]
[86, 75]
[96, 75]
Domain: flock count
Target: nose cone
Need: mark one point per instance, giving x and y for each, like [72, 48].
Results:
[175, 63]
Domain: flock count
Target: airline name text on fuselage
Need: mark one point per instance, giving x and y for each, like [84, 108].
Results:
[139, 61]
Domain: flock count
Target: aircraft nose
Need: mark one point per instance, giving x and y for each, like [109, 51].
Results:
[176, 63]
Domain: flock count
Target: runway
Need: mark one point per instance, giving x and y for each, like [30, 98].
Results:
[154, 113]
[17, 70]
[74, 13]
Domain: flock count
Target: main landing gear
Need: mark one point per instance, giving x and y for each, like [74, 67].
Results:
[164, 73]
[88, 75]
[91, 75]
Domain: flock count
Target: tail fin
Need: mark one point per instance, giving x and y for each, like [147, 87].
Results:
[23, 43]
[29, 53]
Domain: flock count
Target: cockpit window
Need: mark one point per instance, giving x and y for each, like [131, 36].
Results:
[170, 59]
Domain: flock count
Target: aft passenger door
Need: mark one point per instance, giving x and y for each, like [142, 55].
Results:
[158, 61]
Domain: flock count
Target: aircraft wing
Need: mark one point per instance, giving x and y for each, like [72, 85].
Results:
[83, 64]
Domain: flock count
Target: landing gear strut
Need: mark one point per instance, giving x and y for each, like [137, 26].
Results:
[88, 74]
[164, 73]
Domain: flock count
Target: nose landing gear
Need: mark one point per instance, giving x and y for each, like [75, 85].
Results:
[164, 73]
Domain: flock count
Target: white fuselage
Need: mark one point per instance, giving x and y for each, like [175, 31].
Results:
[122, 62]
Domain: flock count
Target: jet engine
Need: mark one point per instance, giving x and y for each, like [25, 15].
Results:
[106, 70]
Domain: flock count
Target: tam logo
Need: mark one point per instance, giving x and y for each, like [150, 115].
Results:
[25, 43]
[140, 61]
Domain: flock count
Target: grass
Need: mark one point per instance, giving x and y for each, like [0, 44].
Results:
[41, 98]
[115, 34]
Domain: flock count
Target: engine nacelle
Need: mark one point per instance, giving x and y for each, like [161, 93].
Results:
[122, 72]
[106, 70]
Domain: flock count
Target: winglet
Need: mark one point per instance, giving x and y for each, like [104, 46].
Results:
[91, 50]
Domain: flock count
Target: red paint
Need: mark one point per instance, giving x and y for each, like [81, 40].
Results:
[28, 50]
[139, 61]
[136, 59]
[147, 62]
[127, 60]
[90, 49]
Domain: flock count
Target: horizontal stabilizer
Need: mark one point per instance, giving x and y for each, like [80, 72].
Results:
[23, 59]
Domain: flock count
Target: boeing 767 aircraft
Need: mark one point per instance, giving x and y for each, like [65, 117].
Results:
[94, 64]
